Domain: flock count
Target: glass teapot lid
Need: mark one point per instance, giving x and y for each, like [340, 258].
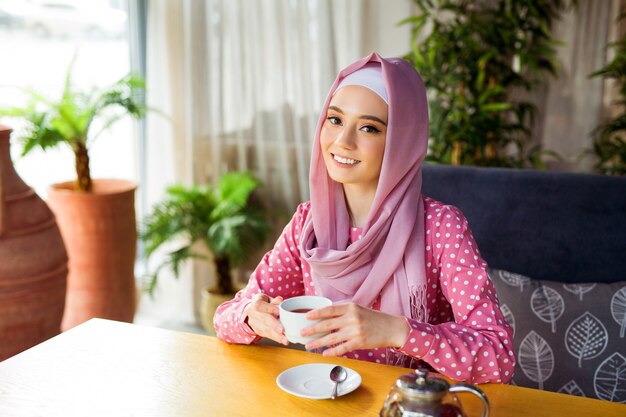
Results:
[418, 385]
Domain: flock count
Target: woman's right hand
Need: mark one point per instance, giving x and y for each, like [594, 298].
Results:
[262, 317]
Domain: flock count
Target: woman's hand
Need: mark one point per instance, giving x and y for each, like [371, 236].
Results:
[262, 314]
[354, 327]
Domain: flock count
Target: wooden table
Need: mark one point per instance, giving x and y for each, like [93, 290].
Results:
[105, 368]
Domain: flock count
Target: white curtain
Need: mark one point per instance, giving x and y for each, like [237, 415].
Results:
[242, 83]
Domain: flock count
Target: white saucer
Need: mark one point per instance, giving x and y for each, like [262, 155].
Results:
[313, 381]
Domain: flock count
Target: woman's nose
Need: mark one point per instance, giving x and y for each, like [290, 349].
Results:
[345, 139]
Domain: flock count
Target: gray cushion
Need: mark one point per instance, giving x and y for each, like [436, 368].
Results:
[569, 338]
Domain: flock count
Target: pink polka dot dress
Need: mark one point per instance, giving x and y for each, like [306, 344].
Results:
[465, 337]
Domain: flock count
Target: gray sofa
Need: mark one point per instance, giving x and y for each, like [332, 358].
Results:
[556, 247]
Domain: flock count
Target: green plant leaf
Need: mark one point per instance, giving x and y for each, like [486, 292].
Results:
[496, 106]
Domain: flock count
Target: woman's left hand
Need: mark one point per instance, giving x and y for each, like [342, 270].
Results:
[354, 327]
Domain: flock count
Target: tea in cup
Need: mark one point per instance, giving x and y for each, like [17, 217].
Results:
[293, 316]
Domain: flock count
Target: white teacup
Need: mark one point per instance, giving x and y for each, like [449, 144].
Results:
[292, 316]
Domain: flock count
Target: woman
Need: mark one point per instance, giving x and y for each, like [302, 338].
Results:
[404, 272]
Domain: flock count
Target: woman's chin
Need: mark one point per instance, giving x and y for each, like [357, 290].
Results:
[341, 179]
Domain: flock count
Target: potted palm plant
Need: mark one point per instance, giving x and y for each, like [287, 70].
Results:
[218, 223]
[96, 217]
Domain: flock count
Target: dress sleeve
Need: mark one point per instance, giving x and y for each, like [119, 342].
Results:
[278, 274]
[475, 346]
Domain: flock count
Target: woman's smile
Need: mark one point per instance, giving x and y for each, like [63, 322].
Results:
[345, 161]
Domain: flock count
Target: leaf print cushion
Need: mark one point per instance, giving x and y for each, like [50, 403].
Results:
[569, 338]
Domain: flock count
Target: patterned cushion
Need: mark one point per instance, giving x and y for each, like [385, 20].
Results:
[569, 338]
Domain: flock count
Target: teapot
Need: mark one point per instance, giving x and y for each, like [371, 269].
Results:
[418, 395]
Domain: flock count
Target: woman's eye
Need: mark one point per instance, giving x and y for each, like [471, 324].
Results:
[334, 120]
[370, 129]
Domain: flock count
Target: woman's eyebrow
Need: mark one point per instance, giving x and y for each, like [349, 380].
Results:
[335, 108]
[373, 118]
[365, 116]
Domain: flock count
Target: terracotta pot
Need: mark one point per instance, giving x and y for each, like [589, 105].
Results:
[210, 302]
[33, 266]
[100, 234]
[205, 278]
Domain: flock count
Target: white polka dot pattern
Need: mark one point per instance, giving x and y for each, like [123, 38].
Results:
[466, 335]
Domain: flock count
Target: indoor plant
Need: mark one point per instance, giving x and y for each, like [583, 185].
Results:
[96, 217]
[609, 142]
[473, 56]
[220, 223]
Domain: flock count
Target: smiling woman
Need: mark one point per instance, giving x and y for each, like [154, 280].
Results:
[403, 271]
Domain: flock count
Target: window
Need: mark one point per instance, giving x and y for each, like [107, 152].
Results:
[39, 40]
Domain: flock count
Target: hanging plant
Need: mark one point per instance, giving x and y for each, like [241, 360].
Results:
[473, 56]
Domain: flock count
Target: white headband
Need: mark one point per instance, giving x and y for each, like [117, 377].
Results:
[370, 76]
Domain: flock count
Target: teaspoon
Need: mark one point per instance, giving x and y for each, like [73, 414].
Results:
[338, 374]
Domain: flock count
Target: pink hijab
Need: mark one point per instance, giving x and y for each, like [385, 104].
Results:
[389, 258]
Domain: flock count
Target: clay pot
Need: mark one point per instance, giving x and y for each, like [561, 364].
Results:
[100, 234]
[209, 303]
[205, 279]
[33, 266]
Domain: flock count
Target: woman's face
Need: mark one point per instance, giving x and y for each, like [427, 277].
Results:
[353, 137]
